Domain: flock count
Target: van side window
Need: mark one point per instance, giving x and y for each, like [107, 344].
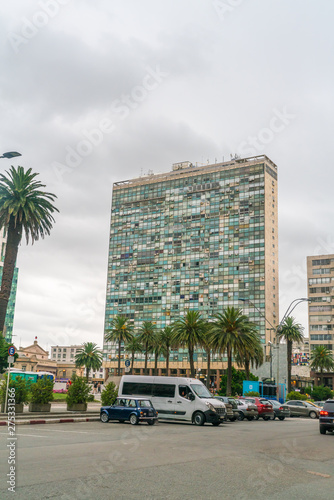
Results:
[137, 389]
[184, 391]
[164, 390]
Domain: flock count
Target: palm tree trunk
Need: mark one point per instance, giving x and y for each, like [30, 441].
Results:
[119, 358]
[321, 376]
[191, 361]
[146, 348]
[208, 379]
[155, 363]
[12, 245]
[167, 360]
[87, 374]
[246, 365]
[229, 371]
[132, 361]
[289, 354]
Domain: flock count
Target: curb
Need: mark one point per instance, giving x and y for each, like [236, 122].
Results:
[53, 421]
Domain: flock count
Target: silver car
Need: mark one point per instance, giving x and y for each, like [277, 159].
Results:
[303, 409]
[247, 409]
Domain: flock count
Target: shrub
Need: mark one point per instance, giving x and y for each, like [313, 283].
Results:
[109, 394]
[78, 391]
[294, 395]
[321, 393]
[21, 390]
[252, 393]
[42, 391]
[238, 376]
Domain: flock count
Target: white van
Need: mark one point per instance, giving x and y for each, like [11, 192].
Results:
[175, 398]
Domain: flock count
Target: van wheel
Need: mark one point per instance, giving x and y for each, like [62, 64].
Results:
[199, 418]
[133, 419]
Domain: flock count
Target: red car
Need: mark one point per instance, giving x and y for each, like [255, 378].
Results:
[265, 409]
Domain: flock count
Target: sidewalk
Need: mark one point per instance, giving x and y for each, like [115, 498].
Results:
[58, 415]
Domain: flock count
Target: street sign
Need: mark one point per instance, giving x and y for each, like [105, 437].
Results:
[11, 350]
[10, 359]
[127, 369]
[127, 363]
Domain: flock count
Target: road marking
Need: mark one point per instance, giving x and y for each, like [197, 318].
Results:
[318, 473]
[72, 432]
[29, 435]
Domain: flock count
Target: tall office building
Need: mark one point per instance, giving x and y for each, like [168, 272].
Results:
[9, 320]
[198, 238]
[320, 277]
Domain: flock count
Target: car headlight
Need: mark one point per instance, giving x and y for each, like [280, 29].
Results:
[211, 407]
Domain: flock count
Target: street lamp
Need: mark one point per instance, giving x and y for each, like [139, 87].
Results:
[10, 154]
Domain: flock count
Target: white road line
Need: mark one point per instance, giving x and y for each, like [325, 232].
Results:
[29, 435]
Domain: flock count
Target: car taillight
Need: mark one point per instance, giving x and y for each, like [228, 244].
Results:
[323, 412]
[281, 408]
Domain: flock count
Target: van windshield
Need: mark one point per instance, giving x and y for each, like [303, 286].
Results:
[201, 391]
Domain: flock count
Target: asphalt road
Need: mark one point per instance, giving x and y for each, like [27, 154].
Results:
[241, 460]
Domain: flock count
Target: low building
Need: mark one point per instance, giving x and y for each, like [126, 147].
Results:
[35, 359]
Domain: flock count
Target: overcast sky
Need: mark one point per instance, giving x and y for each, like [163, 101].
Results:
[96, 92]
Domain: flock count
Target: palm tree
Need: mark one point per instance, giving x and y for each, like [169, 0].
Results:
[291, 332]
[166, 336]
[321, 359]
[250, 356]
[190, 331]
[133, 346]
[157, 349]
[89, 356]
[23, 208]
[146, 336]
[232, 332]
[121, 332]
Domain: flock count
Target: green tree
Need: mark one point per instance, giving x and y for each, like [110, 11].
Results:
[146, 336]
[321, 359]
[250, 356]
[4, 354]
[42, 391]
[120, 332]
[291, 332]
[133, 346]
[190, 332]
[321, 393]
[109, 394]
[232, 332]
[78, 391]
[23, 208]
[90, 357]
[238, 376]
[167, 344]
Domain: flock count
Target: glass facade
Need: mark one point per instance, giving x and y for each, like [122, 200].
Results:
[195, 238]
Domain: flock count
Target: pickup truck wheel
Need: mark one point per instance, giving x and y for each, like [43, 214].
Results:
[133, 419]
[104, 417]
[241, 416]
[199, 418]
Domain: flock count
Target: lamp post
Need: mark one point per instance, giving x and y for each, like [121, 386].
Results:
[10, 154]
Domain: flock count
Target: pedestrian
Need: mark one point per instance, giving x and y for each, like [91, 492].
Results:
[99, 387]
[94, 387]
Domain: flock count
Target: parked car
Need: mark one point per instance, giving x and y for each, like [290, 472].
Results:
[134, 410]
[326, 417]
[280, 410]
[264, 408]
[246, 409]
[319, 403]
[231, 414]
[303, 409]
